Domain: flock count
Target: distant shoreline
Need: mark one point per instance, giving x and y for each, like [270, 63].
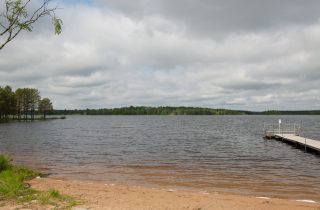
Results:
[30, 119]
[180, 110]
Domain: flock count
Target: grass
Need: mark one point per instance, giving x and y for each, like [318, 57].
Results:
[14, 188]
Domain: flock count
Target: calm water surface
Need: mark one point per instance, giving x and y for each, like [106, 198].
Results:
[203, 153]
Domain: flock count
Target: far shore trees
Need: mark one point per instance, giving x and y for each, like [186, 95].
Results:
[17, 16]
[22, 103]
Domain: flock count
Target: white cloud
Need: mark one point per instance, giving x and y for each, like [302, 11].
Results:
[108, 58]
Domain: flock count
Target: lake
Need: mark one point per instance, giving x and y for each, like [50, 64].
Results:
[201, 153]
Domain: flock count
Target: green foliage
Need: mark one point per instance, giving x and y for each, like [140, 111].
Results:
[12, 177]
[15, 10]
[54, 197]
[18, 16]
[25, 26]
[5, 163]
[7, 101]
[57, 23]
[142, 110]
[55, 194]
[24, 102]
[25, 173]
[301, 112]
[12, 187]
[45, 105]
[166, 110]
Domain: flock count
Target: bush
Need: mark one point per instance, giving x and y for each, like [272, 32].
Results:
[5, 163]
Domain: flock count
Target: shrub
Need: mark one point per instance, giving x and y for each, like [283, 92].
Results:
[5, 163]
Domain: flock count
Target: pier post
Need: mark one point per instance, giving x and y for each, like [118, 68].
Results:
[279, 126]
[305, 144]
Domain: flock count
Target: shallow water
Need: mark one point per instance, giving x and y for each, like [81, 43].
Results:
[202, 153]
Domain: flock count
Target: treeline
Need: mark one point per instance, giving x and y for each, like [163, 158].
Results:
[301, 112]
[167, 110]
[144, 110]
[22, 104]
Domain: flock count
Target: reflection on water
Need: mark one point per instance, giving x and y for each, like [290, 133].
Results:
[213, 153]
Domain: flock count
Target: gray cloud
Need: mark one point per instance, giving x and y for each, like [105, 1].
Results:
[209, 17]
[241, 55]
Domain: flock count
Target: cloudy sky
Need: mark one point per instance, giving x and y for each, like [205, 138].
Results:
[235, 54]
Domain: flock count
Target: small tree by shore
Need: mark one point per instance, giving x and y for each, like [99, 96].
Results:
[45, 106]
[7, 102]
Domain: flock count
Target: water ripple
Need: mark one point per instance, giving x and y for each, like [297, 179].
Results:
[211, 153]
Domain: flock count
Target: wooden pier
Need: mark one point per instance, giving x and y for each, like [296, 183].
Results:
[290, 133]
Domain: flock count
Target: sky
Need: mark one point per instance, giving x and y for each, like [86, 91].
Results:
[234, 54]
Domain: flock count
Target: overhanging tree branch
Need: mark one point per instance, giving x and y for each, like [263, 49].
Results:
[16, 18]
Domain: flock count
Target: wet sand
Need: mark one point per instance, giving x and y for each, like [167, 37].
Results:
[103, 196]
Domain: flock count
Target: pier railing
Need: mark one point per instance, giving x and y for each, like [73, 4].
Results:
[279, 129]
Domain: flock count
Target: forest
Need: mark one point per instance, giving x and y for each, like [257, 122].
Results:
[22, 104]
[146, 110]
[168, 110]
[26, 103]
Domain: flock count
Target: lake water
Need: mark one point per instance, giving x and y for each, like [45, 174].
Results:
[202, 153]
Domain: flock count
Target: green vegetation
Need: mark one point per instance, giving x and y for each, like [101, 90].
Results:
[5, 163]
[300, 112]
[45, 106]
[22, 104]
[167, 110]
[14, 188]
[143, 110]
[25, 103]
[17, 17]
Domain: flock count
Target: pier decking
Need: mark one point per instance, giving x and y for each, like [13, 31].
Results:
[291, 135]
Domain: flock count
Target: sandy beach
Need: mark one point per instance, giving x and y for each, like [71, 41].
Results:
[103, 196]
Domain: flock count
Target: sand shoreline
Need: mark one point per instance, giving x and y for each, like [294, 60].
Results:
[110, 196]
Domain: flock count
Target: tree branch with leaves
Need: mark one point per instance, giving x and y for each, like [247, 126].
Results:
[17, 18]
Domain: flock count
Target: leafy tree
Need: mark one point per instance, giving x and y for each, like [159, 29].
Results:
[27, 102]
[25, 105]
[34, 99]
[45, 105]
[7, 102]
[19, 102]
[24, 102]
[16, 18]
